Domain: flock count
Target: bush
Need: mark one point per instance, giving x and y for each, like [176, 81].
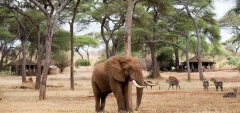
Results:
[5, 73]
[82, 63]
[238, 67]
[232, 61]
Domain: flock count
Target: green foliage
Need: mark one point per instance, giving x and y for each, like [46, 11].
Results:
[5, 73]
[82, 63]
[84, 40]
[238, 67]
[61, 41]
[5, 34]
[61, 60]
[233, 61]
[165, 57]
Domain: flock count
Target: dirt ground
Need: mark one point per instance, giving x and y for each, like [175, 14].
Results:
[61, 99]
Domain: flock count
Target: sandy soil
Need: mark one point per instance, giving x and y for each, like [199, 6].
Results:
[190, 99]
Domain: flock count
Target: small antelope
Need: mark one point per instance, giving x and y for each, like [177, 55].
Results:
[173, 81]
[231, 94]
[217, 84]
[205, 85]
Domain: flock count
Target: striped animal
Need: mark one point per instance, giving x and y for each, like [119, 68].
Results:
[217, 84]
[231, 94]
[205, 85]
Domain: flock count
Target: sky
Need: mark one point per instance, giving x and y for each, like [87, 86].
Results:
[221, 7]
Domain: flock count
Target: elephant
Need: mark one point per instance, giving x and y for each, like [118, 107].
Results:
[112, 76]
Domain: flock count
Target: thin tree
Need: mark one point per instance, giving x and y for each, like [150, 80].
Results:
[53, 13]
[75, 9]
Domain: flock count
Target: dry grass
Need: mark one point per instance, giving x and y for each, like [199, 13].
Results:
[190, 99]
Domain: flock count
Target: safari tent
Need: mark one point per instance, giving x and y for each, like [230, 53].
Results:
[31, 66]
[206, 63]
[16, 67]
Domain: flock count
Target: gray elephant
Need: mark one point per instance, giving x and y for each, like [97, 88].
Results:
[113, 75]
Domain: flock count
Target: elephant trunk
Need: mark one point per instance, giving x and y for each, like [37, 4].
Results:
[139, 94]
[139, 97]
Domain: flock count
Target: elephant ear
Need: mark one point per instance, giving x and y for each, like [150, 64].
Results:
[113, 68]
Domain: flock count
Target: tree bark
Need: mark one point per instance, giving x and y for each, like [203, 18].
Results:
[23, 60]
[40, 51]
[23, 38]
[187, 59]
[72, 44]
[128, 25]
[155, 72]
[127, 43]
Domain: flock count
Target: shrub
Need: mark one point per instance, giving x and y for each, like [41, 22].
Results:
[82, 63]
[61, 60]
[238, 67]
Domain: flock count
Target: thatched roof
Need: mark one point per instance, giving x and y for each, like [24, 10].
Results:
[19, 62]
[194, 59]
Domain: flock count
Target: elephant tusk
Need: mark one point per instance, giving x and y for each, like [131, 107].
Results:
[136, 84]
[150, 83]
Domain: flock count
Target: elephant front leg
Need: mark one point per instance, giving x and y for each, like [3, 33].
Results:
[118, 93]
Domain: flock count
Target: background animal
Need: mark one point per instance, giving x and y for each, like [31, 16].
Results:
[205, 85]
[217, 84]
[151, 84]
[231, 94]
[29, 80]
[173, 81]
[113, 75]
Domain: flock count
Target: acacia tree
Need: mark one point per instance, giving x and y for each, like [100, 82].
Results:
[146, 24]
[110, 15]
[74, 11]
[7, 38]
[52, 10]
[83, 43]
[23, 29]
[231, 20]
[196, 10]
[6, 45]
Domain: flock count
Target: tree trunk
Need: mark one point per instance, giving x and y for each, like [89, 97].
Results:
[155, 72]
[48, 41]
[40, 52]
[198, 52]
[23, 64]
[127, 44]
[72, 44]
[128, 25]
[187, 59]
[176, 58]
[72, 57]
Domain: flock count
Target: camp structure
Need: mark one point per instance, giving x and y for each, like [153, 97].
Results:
[206, 64]
[16, 67]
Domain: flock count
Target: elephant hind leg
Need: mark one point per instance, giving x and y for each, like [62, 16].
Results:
[97, 95]
[103, 100]
[97, 103]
